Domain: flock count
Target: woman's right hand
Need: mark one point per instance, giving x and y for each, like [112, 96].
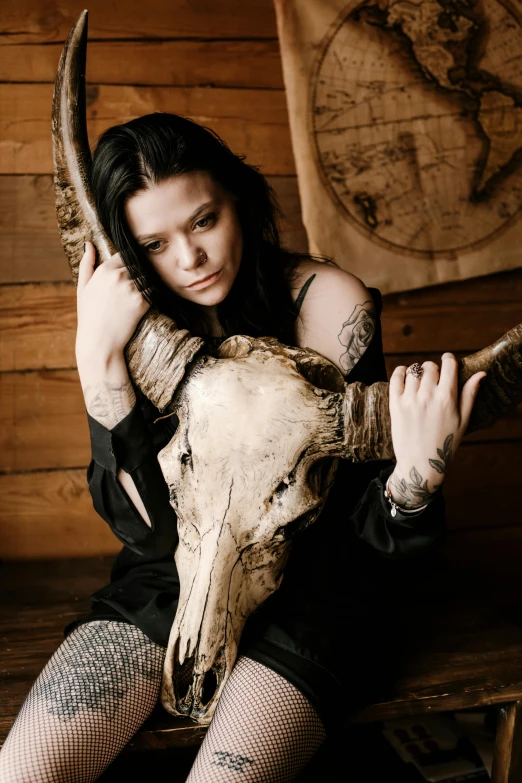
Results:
[109, 307]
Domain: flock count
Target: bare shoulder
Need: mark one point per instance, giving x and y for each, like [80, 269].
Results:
[337, 315]
[328, 279]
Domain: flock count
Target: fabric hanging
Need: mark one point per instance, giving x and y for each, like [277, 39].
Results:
[406, 124]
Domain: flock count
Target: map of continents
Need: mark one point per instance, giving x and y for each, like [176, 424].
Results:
[417, 121]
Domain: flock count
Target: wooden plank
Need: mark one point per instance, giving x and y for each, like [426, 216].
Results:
[30, 247]
[496, 287]
[482, 487]
[507, 758]
[447, 327]
[38, 326]
[50, 514]
[43, 423]
[252, 64]
[38, 322]
[252, 122]
[29, 21]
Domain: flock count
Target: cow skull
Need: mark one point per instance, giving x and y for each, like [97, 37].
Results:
[243, 478]
[260, 428]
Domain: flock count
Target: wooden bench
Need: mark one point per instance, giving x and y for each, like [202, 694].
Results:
[460, 642]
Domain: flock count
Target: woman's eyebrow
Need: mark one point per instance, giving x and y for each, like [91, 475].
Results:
[142, 237]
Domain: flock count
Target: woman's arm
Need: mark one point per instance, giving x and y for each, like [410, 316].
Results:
[341, 314]
[109, 398]
[124, 476]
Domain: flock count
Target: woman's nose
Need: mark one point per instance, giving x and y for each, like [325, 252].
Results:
[189, 257]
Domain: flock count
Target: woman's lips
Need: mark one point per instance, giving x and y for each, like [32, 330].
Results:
[205, 282]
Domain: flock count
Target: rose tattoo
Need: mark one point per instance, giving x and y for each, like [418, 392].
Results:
[356, 334]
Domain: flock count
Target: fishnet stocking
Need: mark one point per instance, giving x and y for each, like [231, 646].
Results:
[103, 682]
[264, 730]
[92, 696]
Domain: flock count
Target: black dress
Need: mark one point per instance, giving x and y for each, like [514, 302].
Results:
[326, 628]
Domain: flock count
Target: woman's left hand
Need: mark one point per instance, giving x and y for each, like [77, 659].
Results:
[428, 422]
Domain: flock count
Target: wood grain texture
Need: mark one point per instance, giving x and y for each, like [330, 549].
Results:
[38, 325]
[43, 423]
[252, 122]
[250, 64]
[447, 327]
[446, 668]
[481, 489]
[50, 514]
[30, 247]
[26, 21]
[507, 760]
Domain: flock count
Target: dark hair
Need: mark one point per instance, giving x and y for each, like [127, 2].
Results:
[153, 148]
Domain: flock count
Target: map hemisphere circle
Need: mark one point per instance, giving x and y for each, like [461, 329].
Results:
[418, 163]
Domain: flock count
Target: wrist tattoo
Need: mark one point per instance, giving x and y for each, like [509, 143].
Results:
[415, 492]
[109, 403]
[356, 334]
[441, 465]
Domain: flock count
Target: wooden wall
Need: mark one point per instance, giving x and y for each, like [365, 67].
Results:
[218, 63]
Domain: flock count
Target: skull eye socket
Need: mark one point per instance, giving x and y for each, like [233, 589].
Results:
[320, 372]
[186, 458]
[288, 531]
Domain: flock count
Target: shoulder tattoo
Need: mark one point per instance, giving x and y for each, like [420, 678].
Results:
[356, 334]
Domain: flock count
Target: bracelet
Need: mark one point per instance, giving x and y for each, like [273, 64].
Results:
[395, 507]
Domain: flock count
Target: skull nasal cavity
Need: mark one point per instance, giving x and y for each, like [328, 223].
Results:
[209, 687]
[184, 677]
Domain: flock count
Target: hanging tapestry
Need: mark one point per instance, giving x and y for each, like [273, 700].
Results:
[406, 123]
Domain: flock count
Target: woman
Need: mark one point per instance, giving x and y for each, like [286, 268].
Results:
[196, 234]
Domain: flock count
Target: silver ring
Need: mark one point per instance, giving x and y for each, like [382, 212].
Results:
[204, 261]
[415, 370]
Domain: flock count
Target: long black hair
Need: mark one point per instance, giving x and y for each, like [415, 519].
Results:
[146, 151]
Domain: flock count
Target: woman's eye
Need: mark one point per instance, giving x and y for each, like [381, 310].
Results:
[153, 247]
[210, 217]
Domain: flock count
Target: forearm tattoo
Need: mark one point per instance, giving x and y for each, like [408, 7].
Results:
[356, 334]
[415, 492]
[109, 403]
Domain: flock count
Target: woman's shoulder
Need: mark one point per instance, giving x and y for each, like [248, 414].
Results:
[327, 277]
[338, 315]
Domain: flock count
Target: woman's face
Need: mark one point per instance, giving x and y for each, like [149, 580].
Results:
[178, 221]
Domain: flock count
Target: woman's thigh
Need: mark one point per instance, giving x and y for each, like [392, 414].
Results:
[264, 730]
[91, 697]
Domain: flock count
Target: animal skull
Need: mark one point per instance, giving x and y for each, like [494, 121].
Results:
[242, 479]
[260, 429]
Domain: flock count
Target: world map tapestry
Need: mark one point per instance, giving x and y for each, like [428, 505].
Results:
[406, 123]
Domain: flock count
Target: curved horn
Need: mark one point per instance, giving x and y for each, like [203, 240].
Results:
[502, 387]
[158, 352]
[366, 416]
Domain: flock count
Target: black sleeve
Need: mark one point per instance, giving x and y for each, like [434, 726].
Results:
[370, 513]
[130, 445]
